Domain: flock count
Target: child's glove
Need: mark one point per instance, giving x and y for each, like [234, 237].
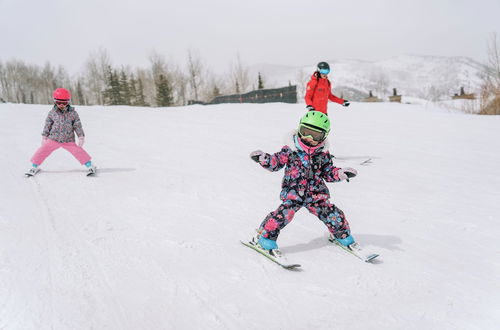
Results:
[347, 173]
[81, 141]
[44, 139]
[310, 108]
[258, 156]
[346, 103]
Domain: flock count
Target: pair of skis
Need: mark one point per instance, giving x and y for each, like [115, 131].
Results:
[355, 251]
[34, 171]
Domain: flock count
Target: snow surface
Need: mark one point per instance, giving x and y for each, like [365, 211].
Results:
[152, 242]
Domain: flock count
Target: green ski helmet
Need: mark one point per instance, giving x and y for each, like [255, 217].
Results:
[314, 124]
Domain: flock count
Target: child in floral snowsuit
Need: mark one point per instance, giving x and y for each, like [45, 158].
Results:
[307, 167]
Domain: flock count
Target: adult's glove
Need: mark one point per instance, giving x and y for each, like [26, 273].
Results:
[81, 141]
[258, 156]
[44, 139]
[347, 173]
[310, 108]
[346, 103]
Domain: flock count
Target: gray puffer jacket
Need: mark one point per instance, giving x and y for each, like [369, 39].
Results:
[61, 125]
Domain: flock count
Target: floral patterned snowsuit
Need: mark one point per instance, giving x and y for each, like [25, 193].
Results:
[304, 186]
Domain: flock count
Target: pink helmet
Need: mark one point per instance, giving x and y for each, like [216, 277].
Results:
[62, 94]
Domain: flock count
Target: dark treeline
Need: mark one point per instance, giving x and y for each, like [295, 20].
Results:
[102, 83]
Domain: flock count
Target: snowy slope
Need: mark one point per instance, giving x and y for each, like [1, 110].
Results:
[429, 77]
[152, 241]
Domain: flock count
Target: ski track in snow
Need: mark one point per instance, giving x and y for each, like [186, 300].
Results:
[152, 242]
[65, 241]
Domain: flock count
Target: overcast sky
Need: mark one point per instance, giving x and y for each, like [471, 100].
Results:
[287, 32]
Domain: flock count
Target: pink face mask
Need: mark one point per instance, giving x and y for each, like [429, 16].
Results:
[307, 148]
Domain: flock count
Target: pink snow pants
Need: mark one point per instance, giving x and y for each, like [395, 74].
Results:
[49, 146]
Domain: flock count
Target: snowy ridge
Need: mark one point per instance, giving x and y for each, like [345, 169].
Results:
[152, 242]
[427, 77]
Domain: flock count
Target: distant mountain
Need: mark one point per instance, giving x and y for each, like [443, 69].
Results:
[428, 77]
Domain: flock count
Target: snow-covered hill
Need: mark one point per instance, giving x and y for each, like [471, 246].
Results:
[152, 242]
[428, 77]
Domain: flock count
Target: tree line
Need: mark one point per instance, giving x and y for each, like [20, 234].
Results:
[102, 83]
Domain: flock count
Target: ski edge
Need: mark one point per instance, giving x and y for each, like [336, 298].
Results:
[369, 258]
[286, 266]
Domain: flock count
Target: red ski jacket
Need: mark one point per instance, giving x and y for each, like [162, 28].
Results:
[318, 93]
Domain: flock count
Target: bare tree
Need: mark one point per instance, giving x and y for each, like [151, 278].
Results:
[3, 83]
[96, 70]
[180, 83]
[49, 81]
[214, 86]
[302, 79]
[493, 65]
[158, 65]
[145, 81]
[195, 73]
[490, 91]
[240, 77]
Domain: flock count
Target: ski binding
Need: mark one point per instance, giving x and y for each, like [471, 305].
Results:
[270, 257]
[355, 250]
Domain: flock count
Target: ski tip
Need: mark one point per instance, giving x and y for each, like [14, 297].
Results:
[371, 257]
[366, 162]
[292, 267]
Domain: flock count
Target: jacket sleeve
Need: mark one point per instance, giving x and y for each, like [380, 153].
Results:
[48, 125]
[330, 172]
[276, 161]
[77, 125]
[311, 86]
[335, 99]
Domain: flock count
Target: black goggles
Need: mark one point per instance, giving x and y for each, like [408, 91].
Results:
[316, 135]
[61, 102]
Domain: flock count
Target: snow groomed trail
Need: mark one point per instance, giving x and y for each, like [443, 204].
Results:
[152, 242]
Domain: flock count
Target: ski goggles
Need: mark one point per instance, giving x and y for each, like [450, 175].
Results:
[307, 132]
[61, 102]
[324, 71]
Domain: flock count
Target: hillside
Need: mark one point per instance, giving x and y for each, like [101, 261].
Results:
[427, 77]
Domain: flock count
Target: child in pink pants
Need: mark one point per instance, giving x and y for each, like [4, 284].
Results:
[48, 146]
[59, 131]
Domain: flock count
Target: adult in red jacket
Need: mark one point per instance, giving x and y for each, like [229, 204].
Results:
[319, 90]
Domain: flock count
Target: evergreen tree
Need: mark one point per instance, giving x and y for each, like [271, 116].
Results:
[164, 92]
[261, 82]
[140, 99]
[124, 88]
[79, 93]
[112, 94]
[237, 88]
